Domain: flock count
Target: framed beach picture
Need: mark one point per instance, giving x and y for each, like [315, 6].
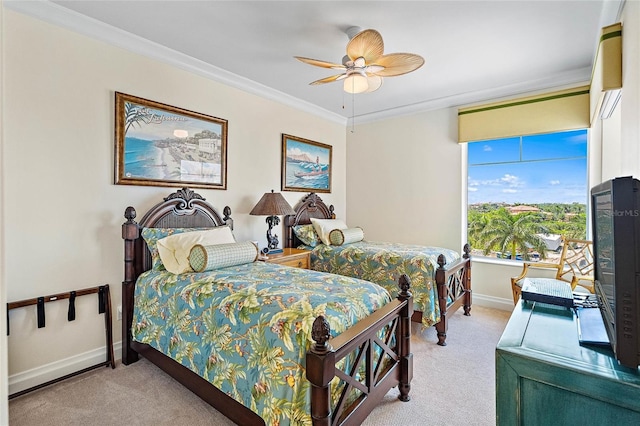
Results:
[306, 165]
[162, 145]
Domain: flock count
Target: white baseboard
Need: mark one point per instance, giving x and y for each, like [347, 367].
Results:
[43, 374]
[491, 302]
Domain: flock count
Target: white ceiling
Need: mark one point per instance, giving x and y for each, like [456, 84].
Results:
[474, 50]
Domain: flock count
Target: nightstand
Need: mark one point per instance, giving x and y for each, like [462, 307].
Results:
[296, 258]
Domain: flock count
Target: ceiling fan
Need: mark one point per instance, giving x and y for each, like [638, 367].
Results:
[365, 64]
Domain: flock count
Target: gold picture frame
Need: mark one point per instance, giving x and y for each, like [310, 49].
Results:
[162, 145]
[306, 165]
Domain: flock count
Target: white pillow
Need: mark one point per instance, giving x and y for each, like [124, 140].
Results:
[174, 250]
[324, 226]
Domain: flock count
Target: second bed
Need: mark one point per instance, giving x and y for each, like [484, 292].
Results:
[440, 278]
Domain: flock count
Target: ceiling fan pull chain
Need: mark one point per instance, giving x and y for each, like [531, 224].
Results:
[353, 113]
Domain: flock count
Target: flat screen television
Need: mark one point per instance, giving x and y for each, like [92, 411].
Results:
[615, 215]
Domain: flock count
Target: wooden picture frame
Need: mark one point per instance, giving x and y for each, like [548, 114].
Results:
[162, 145]
[306, 165]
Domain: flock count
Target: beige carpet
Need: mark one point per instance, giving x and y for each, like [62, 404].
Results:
[452, 385]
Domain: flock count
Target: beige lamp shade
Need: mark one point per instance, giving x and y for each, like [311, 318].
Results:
[272, 204]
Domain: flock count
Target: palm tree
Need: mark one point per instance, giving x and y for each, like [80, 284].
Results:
[477, 222]
[513, 233]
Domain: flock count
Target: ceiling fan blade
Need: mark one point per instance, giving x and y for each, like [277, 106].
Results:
[328, 79]
[375, 82]
[398, 64]
[319, 63]
[366, 44]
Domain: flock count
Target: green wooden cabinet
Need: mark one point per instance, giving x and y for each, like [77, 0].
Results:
[545, 377]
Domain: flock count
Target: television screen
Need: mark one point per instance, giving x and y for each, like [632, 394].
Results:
[615, 214]
[604, 247]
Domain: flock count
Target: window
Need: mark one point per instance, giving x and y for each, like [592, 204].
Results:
[525, 192]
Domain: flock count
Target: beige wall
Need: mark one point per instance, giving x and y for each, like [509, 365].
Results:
[4, 391]
[630, 102]
[398, 170]
[62, 210]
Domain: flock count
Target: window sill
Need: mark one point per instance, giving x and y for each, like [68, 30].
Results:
[495, 261]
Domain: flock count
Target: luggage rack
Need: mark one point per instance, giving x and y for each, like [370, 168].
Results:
[104, 307]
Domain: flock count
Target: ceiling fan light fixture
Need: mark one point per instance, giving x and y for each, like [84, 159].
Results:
[366, 64]
[356, 83]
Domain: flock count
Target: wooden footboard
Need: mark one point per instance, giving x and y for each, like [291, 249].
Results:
[454, 290]
[391, 366]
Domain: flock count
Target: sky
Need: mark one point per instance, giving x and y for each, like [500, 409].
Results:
[549, 168]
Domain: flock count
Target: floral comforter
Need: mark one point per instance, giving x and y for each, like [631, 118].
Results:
[382, 263]
[246, 328]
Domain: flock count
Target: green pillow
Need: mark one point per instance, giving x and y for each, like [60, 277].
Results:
[339, 237]
[207, 258]
[307, 235]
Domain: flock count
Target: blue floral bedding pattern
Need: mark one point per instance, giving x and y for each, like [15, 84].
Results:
[382, 263]
[246, 328]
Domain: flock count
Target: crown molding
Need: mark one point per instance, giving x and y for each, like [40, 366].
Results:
[52, 13]
[564, 79]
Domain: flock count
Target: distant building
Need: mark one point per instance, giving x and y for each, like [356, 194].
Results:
[523, 209]
[552, 241]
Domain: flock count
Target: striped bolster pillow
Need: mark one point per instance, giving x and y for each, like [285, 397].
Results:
[206, 258]
[339, 237]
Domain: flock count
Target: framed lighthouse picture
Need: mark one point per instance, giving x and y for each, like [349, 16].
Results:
[306, 165]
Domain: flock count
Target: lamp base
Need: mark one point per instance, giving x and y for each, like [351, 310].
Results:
[267, 250]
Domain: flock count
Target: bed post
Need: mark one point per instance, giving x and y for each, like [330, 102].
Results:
[441, 283]
[467, 280]
[406, 357]
[321, 360]
[130, 233]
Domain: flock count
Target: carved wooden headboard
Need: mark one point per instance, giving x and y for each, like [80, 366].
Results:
[182, 209]
[310, 206]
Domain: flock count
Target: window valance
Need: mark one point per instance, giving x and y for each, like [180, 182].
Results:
[549, 112]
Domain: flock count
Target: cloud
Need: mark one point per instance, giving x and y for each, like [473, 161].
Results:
[510, 191]
[472, 189]
[555, 182]
[510, 179]
[487, 148]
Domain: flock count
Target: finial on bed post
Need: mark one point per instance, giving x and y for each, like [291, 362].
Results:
[404, 282]
[467, 251]
[227, 216]
[320, 367]
[130, 214]
[130, 233]
[331, 212]
[404, 338]
[321, 333]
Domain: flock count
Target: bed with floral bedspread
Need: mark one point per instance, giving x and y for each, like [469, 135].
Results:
[440, 278]
[382, 263]
[247, 328]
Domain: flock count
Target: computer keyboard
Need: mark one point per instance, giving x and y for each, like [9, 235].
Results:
[585, 300]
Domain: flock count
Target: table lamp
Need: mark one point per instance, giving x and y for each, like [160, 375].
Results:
[273, 205]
